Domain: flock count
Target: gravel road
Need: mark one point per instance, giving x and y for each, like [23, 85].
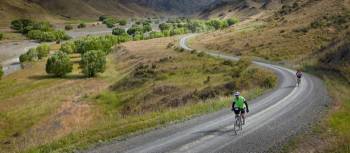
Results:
[274, 118]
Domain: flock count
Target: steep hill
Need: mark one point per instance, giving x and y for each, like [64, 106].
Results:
[240, 8]
[91, 9]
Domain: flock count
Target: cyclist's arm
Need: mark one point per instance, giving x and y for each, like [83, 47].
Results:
[233, 105]
[246, 104]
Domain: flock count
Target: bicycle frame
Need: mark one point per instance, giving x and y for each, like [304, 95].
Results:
[238, 123]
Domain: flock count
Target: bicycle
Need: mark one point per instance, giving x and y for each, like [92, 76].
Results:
[238, 123]
[298, 81]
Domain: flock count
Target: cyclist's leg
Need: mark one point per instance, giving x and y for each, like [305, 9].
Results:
[243, 115]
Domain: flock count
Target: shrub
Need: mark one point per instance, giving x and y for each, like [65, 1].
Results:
[1, 72]
[1, 36]
[217, 24]
[155, 34]
[29, 56]
[135, 29]
[68, 47]
[123, 22]
[93, 62]
[59, 64]
[22, 25]
[82, 25]
[68, 27]
[232, 21]
[23, 58]
[147, 28]
[48, 37]
[103, 17]
[35, 34]
[43, 51]
[110, 22]
[119, 31]
[164, 26]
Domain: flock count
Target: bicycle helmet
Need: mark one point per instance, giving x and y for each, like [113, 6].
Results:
[237, 93]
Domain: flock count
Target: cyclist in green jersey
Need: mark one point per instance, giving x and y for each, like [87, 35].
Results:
[240, 105]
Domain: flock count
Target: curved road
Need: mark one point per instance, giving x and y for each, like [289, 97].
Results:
[274, 118]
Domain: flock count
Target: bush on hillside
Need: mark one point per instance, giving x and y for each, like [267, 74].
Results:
[93, 62]
[155, 34]
[59, 64]
[110, 22]
[22, 25]
[1, 35]
[123, 22]
[68, 27]
[81, 25]
[147, 28]
[119, 32]
[31, 55]
[104, 43]
[43, 51]
[103, 17]
[68, 47]
[232, 21]
[164, 26]
[135, 29]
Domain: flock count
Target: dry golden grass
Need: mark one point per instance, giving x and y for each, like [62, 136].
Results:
[275, 39]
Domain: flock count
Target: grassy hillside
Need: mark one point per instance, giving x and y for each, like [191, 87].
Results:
[12, 9]
[58, 10]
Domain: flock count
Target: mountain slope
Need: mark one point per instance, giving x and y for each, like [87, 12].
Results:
[240, 8]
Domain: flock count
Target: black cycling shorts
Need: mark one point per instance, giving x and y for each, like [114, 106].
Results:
[239, 110]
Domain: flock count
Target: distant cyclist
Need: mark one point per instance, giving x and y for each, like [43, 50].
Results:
[299, 74]
[239, 105]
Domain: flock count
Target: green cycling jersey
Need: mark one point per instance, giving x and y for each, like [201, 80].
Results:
[239, 102]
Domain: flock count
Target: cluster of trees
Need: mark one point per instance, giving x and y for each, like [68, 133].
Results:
[110, 21]
[93, 51]
[35, 54]
[1, 35]
[42, 31]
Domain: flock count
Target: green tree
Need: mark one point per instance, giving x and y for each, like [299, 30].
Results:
[35, 34]
[147, 28]
[217, 24]
[43, 51]
[118, 32]
[1, 35]
[123, 22]
[59, 64]
[103, 17]
[48, 37]
[164, 26]
[232, 21]
[135, 29]
[68, 27]
[93, 62]
[21, 25]
[82, 25]
[68, 47]
[31, 55]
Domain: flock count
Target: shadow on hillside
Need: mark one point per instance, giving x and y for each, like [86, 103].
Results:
[46, 77]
